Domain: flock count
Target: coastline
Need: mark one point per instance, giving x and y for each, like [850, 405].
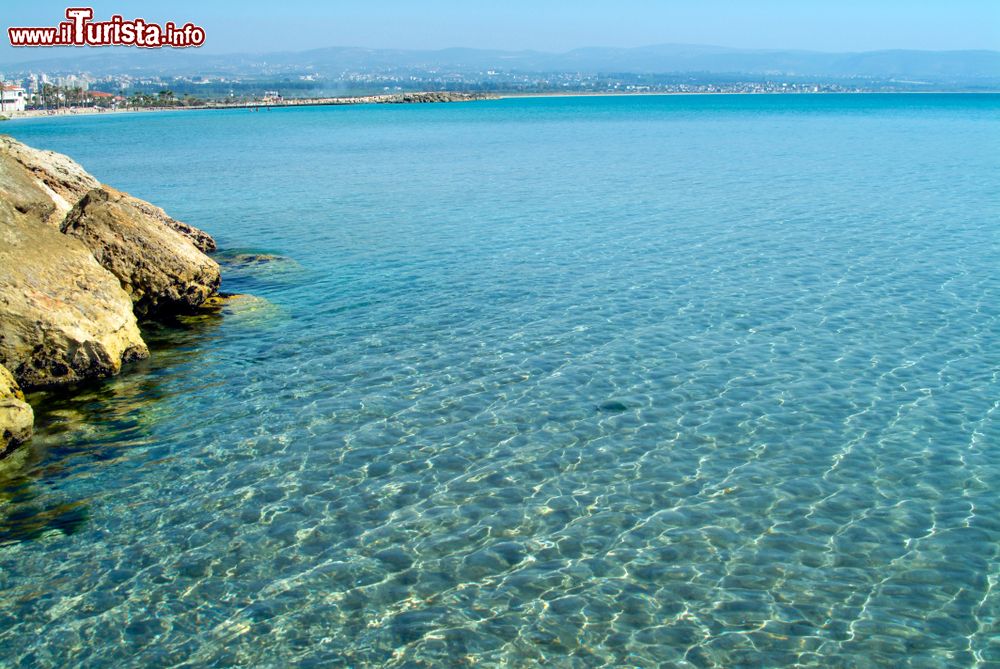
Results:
[434, 98]
[427, 97]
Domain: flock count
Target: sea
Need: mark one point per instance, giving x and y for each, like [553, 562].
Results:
[639, 381]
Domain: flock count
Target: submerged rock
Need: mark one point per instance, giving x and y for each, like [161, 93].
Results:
[16, 417]
[216, 302]
[159, 268]
[239, 309]
[247, 259]
[257, 265]
[612, 406]
[63, 317]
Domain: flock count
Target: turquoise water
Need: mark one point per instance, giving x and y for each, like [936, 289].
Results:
[600, 382]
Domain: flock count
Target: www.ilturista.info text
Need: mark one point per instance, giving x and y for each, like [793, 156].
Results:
[79, 30]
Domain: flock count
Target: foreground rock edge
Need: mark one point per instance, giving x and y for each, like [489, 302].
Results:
[16, 416]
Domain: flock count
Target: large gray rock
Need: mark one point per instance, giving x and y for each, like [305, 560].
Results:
[16, 417]
[160, 269]
[63, 317]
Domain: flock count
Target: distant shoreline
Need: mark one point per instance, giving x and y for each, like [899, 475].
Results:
[431, 97]
[434, 98]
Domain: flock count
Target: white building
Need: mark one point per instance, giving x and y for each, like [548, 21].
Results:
[12, 98]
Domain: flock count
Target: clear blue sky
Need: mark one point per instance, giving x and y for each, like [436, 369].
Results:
[551, 25]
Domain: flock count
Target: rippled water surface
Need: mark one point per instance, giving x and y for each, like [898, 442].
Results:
[602, 382]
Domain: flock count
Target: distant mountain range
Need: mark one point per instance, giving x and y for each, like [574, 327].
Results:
[929, 66]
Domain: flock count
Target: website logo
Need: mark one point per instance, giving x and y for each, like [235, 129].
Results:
[80, 30]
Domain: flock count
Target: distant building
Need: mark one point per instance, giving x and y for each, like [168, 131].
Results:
[12, 98]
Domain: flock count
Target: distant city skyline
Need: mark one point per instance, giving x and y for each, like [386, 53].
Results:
[253, 26]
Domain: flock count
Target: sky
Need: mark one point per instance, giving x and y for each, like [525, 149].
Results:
[547, 25]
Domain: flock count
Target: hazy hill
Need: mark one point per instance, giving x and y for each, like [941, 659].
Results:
[951, 66]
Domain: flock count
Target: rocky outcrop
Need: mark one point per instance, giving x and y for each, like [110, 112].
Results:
[22, 191]
[63, 317]
[59, 178]
[78, 262]
[201, 239]
[160, 268]
[16, 416]
[28, 173]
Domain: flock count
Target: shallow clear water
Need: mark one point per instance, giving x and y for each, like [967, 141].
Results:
[671, 381]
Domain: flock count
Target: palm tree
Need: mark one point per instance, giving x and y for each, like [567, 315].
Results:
[48, 93]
